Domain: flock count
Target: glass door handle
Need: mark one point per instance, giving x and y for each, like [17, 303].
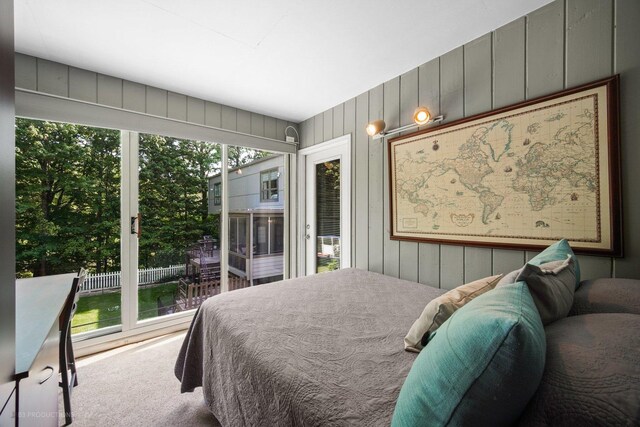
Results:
[134, 229]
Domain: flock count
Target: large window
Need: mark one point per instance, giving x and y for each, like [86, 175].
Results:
[68, 212]
[269, 185]
[86, 195]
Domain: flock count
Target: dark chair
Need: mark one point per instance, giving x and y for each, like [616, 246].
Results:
[67, 359]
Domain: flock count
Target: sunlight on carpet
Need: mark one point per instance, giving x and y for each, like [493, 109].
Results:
[135, 386]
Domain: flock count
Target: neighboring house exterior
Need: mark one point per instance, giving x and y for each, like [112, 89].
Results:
[256, 218]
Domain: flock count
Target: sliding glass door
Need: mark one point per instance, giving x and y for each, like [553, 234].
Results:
[256, 217]
[178, 254]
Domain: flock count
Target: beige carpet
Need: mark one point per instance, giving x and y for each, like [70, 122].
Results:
[135, 386]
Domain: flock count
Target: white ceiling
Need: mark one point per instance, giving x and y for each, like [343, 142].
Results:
[290, 59]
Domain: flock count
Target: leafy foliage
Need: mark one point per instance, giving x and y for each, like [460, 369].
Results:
[68, 197]
[173, 196]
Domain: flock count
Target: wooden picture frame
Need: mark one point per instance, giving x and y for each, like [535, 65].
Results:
[520, 177]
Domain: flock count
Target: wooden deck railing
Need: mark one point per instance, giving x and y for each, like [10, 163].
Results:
[191, 295]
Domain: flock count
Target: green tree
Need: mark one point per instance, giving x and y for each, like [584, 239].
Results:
[174, 196]
[67, 197]
[239, 156]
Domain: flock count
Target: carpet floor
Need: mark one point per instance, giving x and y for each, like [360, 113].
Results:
[135, 386]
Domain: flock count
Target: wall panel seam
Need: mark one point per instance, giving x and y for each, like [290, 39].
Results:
[464, 266]
[439, 266]
[614, 29]
[526, 57]
[493, 272]
[493, 70]
[121, 93]
[565, 44]
[464, 88]
[440, 85]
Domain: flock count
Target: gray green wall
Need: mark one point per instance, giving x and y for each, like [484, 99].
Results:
[561, 45]
[54, 78]
[7, 207]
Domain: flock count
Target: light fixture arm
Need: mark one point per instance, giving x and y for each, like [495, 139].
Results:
[384, 134]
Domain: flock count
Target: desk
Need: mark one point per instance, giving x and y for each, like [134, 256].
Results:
[39, 302]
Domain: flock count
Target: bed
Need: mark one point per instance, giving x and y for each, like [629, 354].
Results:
[314, 351]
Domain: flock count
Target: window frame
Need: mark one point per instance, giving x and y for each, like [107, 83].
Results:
[217, 193]
[269, 190]
[270, 234]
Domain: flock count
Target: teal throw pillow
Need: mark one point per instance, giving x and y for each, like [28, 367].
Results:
[557, 252]
[481, 367]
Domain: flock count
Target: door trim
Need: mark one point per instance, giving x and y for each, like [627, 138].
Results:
[341, 142]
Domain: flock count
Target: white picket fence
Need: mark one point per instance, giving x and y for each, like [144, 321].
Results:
[104, 281]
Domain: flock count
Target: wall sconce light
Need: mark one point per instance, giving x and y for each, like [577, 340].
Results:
[376, 127]
[421, 117]
[239, 172]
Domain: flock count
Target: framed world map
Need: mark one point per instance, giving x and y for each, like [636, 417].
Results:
[523, 176]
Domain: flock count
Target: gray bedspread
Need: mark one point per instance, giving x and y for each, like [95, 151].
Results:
[316, 351]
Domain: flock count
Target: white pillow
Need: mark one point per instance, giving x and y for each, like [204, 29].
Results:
[440, 309]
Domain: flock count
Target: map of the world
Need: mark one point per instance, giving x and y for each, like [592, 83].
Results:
[532, 175]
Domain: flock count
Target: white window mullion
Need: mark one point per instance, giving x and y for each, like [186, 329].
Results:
[129, 241]
[290, 217]
[268, 235]
[134, 144]
[224, 221]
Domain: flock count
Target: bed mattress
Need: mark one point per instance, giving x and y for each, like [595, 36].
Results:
[323, 350]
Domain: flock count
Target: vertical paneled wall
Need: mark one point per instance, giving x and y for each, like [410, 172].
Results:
[66, 81]
[561, 45]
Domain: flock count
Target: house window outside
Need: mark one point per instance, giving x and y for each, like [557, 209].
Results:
[238, 242]
[269, 185]
[233, 234]
[268, 235]
[261, 235]
[217, 194]
[276, 240]
[238, 234]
